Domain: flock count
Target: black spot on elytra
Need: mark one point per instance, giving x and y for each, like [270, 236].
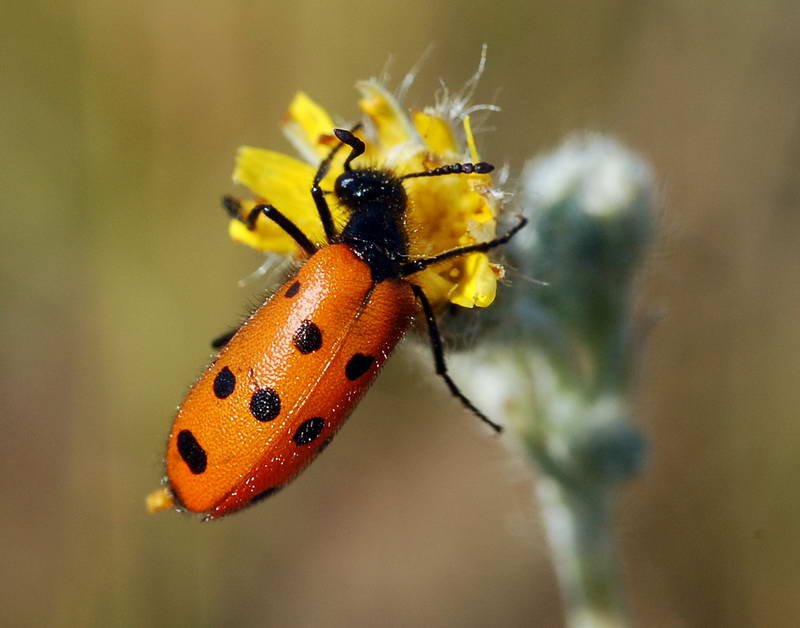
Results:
[264, 494]
[192, 453]
[292, 290]
[308, 431]
[357, 366]
[265, 404]
[307, 338]
[224, 383]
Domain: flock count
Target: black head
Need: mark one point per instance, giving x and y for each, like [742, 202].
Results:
[365, 190]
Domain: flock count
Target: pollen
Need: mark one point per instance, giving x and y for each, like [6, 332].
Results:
[158, 500]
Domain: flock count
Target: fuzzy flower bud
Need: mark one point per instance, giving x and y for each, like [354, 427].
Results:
[559, 369]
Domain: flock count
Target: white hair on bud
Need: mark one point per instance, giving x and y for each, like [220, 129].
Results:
[603, 175]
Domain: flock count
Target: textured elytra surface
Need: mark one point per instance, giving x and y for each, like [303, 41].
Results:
[256, 441]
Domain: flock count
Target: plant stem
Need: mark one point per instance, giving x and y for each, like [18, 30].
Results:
[578, 530]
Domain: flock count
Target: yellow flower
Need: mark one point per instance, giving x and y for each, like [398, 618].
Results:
[444, 212]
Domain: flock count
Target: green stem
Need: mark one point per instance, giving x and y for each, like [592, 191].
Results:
[578, 530]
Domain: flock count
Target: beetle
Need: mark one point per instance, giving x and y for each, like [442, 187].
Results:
[284, 383]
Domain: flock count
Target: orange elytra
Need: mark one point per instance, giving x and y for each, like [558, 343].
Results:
[285, 382]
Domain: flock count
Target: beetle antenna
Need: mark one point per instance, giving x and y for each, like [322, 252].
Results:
[464, 168]
[358, 148]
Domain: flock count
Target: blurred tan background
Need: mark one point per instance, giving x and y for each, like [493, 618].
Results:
[119, 126]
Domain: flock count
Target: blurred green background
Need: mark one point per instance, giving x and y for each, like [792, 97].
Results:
[119, 126]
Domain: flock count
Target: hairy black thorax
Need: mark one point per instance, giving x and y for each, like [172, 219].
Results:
[375, 230]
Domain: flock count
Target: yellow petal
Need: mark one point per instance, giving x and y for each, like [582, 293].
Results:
[308, 127]
[391, 124]
[284, 182]
[274, 176]
[436, 134]
[436, 287]
[480, 285]
[266, 237]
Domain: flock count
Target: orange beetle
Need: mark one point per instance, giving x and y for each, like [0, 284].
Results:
[285, 382]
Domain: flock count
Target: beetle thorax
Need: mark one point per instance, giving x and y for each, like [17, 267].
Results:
[375, 229]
